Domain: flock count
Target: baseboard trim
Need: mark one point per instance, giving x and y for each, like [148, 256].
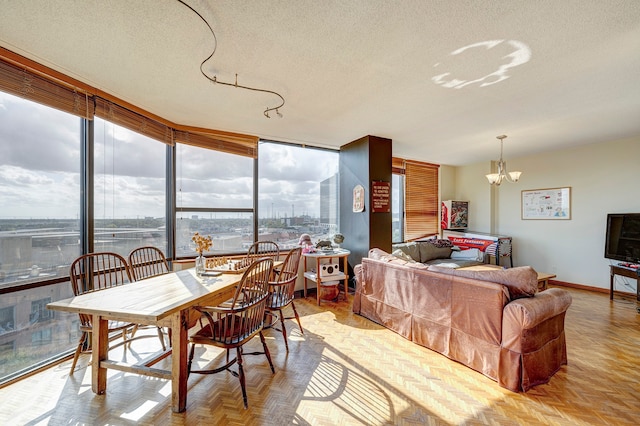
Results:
[590, 288]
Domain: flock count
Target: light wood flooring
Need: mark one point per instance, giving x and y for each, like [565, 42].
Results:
[346, 370]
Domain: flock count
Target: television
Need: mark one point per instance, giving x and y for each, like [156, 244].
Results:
[622, 240]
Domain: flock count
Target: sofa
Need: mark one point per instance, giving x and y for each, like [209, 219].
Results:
[494, 322]
[438, 252]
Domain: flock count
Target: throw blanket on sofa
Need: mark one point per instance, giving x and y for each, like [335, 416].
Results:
[495, 323]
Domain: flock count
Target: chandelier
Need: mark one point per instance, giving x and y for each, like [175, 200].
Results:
[497, 178]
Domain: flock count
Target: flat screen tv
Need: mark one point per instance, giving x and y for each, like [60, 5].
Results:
[622, 241]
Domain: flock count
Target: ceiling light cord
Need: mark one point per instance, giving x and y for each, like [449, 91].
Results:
[215, 80]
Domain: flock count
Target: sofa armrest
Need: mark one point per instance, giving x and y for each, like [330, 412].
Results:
[525, 320]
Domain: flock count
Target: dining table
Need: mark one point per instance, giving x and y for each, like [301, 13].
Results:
[164, 301]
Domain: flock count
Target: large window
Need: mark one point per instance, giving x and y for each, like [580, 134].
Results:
[397, 208]
[298, 193]
[129, 190]
[47, 211]
[214, 196]
[39, 190]
[39, 227]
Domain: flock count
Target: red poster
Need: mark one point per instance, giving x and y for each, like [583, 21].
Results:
[381, 197]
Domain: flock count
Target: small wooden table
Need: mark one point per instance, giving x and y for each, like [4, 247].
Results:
[164, 301]
[317, 276]
[543, 280]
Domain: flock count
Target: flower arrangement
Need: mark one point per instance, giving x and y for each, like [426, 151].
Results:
[202, 243]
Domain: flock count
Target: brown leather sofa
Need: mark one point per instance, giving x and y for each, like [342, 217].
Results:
[494, 322]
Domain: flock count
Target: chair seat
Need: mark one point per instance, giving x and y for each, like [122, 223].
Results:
[278, 301]
[230, 330]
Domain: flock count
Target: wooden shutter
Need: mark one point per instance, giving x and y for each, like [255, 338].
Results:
[422, 215]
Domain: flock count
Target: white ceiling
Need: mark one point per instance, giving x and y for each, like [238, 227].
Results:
[349, 68]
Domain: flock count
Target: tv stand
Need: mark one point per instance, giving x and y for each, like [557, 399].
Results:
[625, 271]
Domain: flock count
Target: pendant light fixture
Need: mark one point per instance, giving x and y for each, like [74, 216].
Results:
[497, 178]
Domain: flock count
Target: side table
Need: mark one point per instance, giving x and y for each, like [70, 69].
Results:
[316, 276]
[625, 272]
[543, 280]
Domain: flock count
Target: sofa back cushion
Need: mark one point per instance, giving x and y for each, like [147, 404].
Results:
[410, 249]
[424, 251]
[431, 250]
[521, 281]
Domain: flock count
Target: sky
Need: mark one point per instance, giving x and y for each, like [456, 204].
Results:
[40, 162]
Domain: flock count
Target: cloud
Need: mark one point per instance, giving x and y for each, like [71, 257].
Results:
[40, 170]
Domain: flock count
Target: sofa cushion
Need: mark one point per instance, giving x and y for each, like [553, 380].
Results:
[411, 249]
[521, 281]
[402, 255]
[432, 250]
[379, 254]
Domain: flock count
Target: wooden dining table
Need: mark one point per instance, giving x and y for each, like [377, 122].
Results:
[164, 301]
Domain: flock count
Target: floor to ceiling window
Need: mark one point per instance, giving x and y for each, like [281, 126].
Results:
[137, 170]
[129, 189]
[214, 197]
[39, 227]
[397, 208]
[298, 193]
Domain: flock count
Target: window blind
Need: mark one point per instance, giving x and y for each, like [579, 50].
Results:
[422, 215]
[231, 143]
[25, 83]
[25, 78]
[133, 121]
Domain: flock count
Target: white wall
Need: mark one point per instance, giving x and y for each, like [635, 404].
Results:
[604, 178]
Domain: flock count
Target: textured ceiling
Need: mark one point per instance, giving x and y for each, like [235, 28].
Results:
[440, 78]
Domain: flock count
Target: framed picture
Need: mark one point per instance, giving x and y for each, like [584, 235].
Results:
[547, 204]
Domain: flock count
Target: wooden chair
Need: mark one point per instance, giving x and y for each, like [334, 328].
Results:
[261, 249]
[147, 262]
[233, 324]
[281, 292]
[94, 272]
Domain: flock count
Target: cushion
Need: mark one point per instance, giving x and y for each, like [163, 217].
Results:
[521, 281]
[412, 249]
[402, 255]
[430, 251]
[379, 254]
[470, 254]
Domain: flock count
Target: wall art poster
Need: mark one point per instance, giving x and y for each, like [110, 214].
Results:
[380, 197]
[552, 203]
[358, 199]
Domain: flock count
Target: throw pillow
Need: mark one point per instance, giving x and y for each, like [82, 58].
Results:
[412, 249]
[521, 281]
[430, 251]
[379, 254]
[402, 255]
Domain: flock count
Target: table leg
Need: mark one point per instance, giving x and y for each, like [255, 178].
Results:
[305, 278]
[611, 279]
[318, 280]
[100, 352]
[345, 265]
[179, 373]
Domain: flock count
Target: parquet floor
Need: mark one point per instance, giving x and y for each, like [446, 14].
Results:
[346, 370]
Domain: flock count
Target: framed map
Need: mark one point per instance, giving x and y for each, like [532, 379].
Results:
[549, 204]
